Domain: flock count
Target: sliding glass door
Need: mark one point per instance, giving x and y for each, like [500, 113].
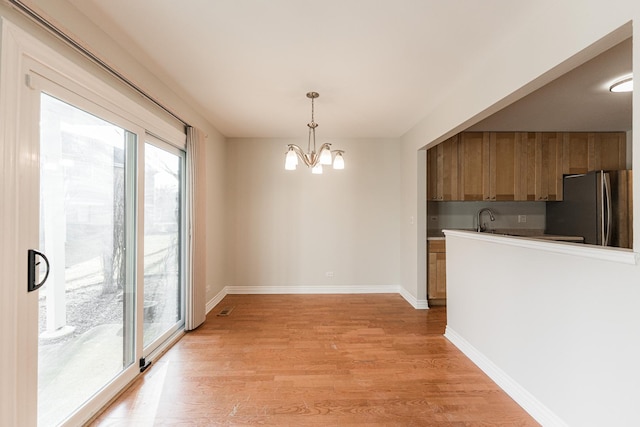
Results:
[92, 234]
[111, 227]
[86, 307]
[163, 241]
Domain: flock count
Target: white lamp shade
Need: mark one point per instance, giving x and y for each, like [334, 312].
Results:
[291, 161]
[325, 156]
[338, 162]
[317, 169]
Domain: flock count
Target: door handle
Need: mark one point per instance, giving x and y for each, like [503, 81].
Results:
[32, 265]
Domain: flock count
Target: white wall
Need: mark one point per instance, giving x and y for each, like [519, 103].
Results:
[289, 228]
[564, 327]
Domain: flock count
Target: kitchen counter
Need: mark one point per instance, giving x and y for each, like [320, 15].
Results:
[574, 239]
[529, 234]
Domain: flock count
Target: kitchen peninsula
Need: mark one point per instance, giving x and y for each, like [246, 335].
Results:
[515, 175]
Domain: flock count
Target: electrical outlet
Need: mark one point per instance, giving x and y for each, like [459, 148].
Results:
[329, 274]
[522, 218]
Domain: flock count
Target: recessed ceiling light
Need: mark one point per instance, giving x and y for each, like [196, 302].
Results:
[622, 85]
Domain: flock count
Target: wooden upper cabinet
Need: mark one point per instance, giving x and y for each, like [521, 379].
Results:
[541, 171]
[494, 166]
[442, 171]
[474, 165]
[550, 167]
[610, 151]
[432, 173]
[490, 166]
[589, 151]
[505, 153]
[575, 152]
[528, 166]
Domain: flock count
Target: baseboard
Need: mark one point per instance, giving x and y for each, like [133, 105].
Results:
[418, 304]
[215, 300]
[310, 290]
[526, 400]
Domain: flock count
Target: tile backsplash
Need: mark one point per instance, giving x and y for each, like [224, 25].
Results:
[508, 215]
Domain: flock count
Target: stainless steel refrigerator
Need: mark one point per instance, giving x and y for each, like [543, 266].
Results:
[597, 206]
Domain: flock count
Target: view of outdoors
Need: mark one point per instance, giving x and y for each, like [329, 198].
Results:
[86, 301]
[162, 258]
[88, 304]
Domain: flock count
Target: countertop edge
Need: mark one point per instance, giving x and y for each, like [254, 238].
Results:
[619, 255]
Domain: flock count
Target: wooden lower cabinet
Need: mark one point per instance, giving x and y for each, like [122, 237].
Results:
[436, 272]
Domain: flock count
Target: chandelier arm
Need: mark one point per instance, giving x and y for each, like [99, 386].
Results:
[309, 161]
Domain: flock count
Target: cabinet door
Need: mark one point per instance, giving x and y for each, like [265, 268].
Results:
[589, 151]
[474, 166]
[432, 173]
[576, 152]
[442, 173]
[549, 166]
[437, 270]
[528, 166]
[505, 150]
[610, 151]
[437, 275]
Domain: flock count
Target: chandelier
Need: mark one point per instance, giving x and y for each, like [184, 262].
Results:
[313, 158]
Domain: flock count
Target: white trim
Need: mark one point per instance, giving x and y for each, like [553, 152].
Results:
[331, 289]
[526, 400]
[166, 345]
[605, 253]
[316, 290]
[104, 397]
[216, 300]
[418, 304]
[17, 185]
[120, 385]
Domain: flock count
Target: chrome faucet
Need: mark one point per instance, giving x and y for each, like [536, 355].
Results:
[491, 217]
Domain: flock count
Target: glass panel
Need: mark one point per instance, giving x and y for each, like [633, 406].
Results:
[86, 305]
[162, 237]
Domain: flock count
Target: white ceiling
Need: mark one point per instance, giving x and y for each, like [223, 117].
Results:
[379, 66]
[579, 100]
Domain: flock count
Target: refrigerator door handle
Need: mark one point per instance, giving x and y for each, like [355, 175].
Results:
[606, 241]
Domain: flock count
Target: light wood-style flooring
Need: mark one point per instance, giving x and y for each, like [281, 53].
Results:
[316, 360]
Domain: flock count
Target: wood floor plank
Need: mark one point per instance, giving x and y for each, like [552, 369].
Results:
[316, 360]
